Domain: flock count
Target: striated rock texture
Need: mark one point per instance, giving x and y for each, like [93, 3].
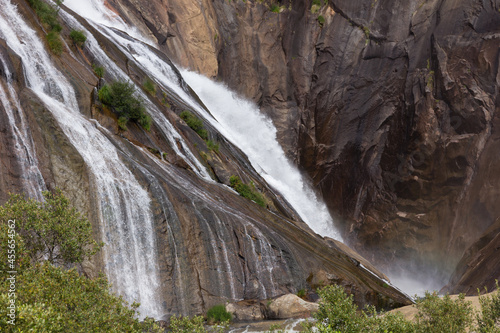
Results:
[212, 244]
[390, 107]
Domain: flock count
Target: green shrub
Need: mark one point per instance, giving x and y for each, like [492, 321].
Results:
[98, 70]
[78, 37]
[195, 123]
[301, 293]
[218, 314]
[187, 325]
[54, 42]
[51, 230]
[122, 123]
[120, 96]
[213, 146]
[247, 191]
[321, 20]
[149, 86]
[275, 8]
[47, 13]
[442, 314]
[52, 299]
[488, 320]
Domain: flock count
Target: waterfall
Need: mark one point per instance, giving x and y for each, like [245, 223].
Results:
[240, 121]
[125, 207]
[24, 148]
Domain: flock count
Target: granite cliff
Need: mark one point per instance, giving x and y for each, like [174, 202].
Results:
[177, 238]
[388, 106]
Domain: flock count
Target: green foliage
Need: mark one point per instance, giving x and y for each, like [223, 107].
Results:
[149, 86]
[78, 37]
[338, 313]
[321, 20]
[488, 320]
[120, 96]
[442, 314]
[54, 42]
[52, 299]
[187, 325]
[122, 123]
[98, 70]
[218, 314]
[247, 191]
[51, 230]
[274, 8]
[301, 293]
[195, 123]
[213, 146]
[47, 13]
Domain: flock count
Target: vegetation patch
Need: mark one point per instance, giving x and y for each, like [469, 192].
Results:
[149, 86]
[120, 96]
[54, 42]
[48, 14]
[321, 20]
[98, 70]
[195, 123]
[78, 37]
[247, 191]
[218, 314]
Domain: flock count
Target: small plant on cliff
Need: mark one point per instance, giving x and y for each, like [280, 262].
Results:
[78, 37]
[195, 123]
[98, 70]
[54, 42]
[47, 13]
[213, 146]
[149, 86]
[321, 20]
[301, 293]
[218, 314]
[247, 191]
[275, 8]
[120, 96]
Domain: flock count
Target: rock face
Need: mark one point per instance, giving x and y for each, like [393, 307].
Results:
[479, 268]
[407, 92]
[212, 245]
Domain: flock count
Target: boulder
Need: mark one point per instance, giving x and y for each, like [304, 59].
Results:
[291, 306]
[245, 310]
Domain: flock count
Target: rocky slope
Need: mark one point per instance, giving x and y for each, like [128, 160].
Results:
[212, 245]
[405, 91]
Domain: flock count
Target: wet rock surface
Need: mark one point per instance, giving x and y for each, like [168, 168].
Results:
[213, 245]
[390, 108]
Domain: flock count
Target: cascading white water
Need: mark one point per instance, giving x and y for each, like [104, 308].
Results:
[127, 223]
[238, 120]
[117, 74]
[24, 149]
[242, 123]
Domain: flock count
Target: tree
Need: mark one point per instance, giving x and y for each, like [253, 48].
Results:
[50, 230]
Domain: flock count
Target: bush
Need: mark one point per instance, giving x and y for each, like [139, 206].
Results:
[50, 230]
[195, 123]
[47, 13]
[488, 320]
[321, 20]
[247, 191]
[149, 86]
[275, 8]
[218, 314]
[52, 299]
[98, 70]
[120, 96]
[78, 37]
[442, 314]
[213, 146]
[54, 42]
[301, 293]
